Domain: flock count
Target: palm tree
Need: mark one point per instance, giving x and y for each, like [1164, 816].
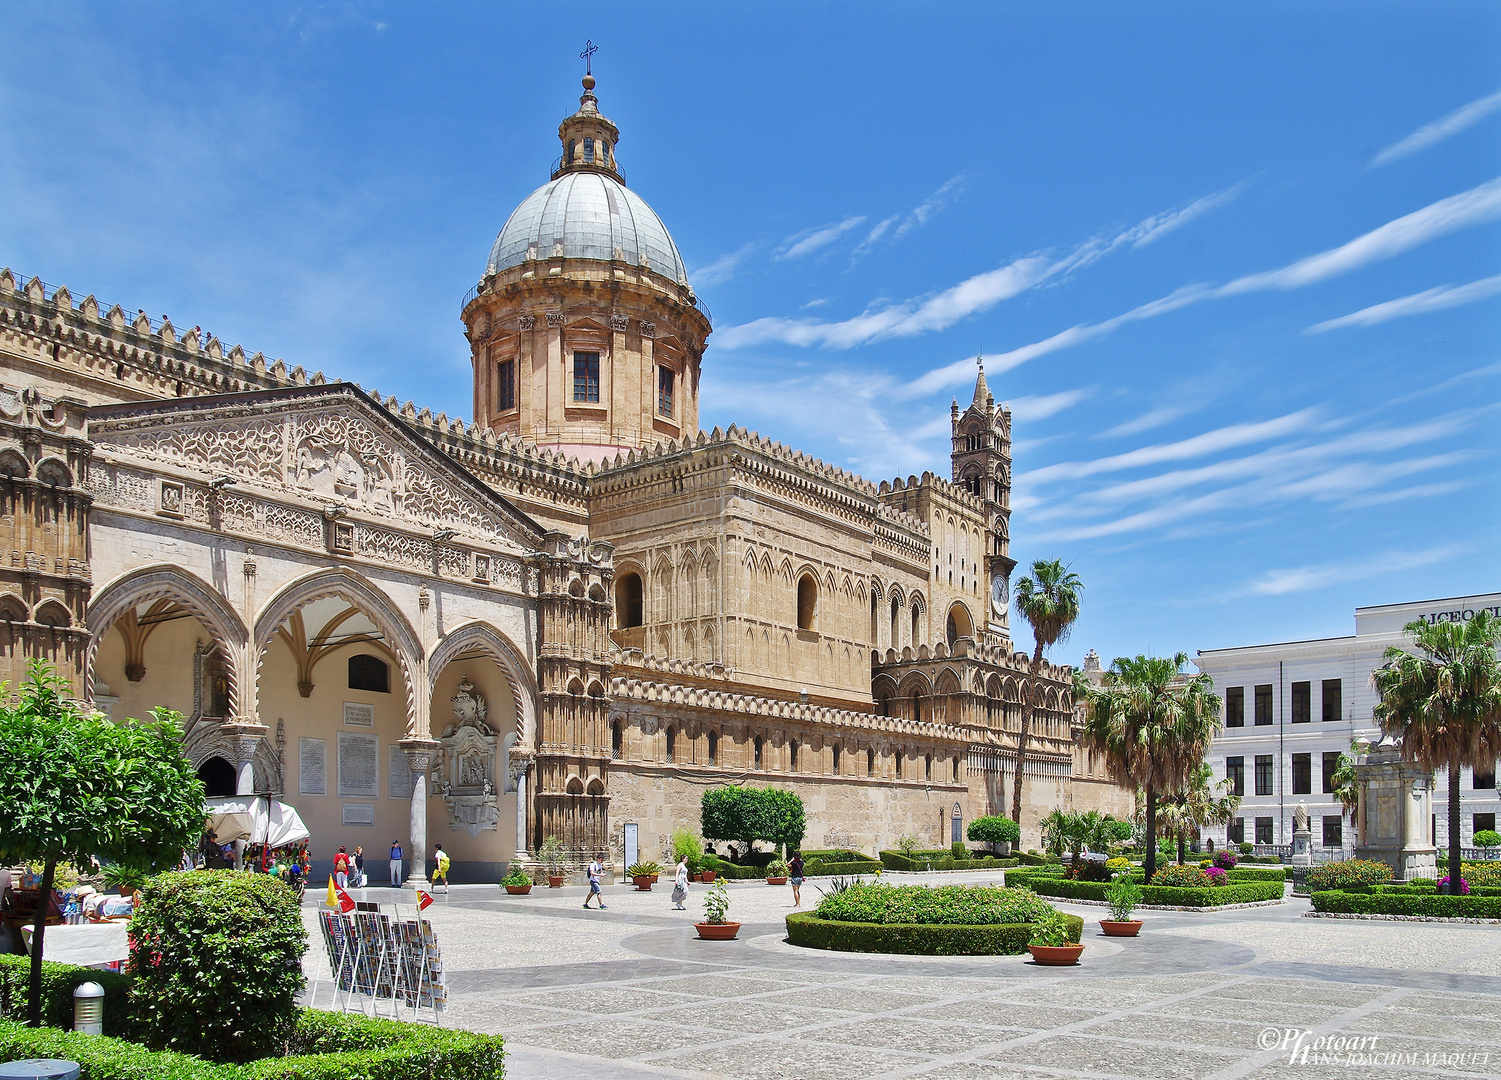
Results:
[1343, 782]
[1049, 601]
[1444, 702]
[1194, 808]
[1153, 724]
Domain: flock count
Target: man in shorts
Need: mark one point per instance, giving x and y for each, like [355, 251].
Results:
[440, 873]
[596, 886]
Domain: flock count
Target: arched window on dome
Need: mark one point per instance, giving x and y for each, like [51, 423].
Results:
[570, 151]
[588, 149]
[604, 151]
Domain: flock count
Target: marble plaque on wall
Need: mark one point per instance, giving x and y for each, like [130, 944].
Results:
[312, 766]
[399, 773]
[359, 814]
[358, 764]
[359, 714]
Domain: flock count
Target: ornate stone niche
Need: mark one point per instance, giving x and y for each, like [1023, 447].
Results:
[466, 762]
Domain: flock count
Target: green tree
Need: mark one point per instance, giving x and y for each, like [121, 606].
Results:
[783, 819]
[1194, 807]
[1444, 702]
[1343, 782]
[1049, 600]
[748, 814]
[994, 830]
[1152, 723]
[75, 785]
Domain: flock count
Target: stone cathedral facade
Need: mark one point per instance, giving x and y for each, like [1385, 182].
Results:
[568, 617]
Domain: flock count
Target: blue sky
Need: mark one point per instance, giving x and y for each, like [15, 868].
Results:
[1236, 268]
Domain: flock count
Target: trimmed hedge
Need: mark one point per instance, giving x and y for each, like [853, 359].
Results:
[1434, 905]
[1244, 892]
[58, 984]
[1000, 939]
[1260, 873]
[1337, 875]
[323, 1046]
[1028, 859]
[839, 869]
[941, 860]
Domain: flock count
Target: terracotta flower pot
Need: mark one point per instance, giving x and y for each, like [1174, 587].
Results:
[554, 882]
[643, 882]
[655, 878]
[709, 876]
[1125, 928]
[1056, 955]
[518, 890]
[776, 881]
[724, 931]
[695, 877]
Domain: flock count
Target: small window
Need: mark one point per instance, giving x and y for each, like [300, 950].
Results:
[368, 672]
[1334, 830]
[1235, 706]
[588, 149]
[1482, 822]
[617, 740]
[956, 770]
[570, 151]
[1235, 832]
[672, 744]
[1302, 774]
[1264, 776]
[505, 385]
[870, 763]
[664, 391]
[898, 757]
[1235, 772]
[807, 602]
[586, 376]
[916, 705]
[792, 755]
[928, 767]
[1331, 765]
[1482, 778]
[758, 745]
[604, 150]
[1264, 704]
[1334, 692]
[713, 748]
[836, 757]
[629, 605]
[1264, 831]
[1302, 702]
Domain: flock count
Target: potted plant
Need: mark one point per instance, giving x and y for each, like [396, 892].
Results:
[1049, 944]
[641, 874]
[777, 871]
[516, 881]
[653, 870]
[550, 854]
[715, 926]
[1122, 894]
[708, 871]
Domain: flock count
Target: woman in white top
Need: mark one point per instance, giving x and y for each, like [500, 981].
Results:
[680, 885]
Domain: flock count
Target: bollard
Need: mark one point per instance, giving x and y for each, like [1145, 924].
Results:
[88, 1008]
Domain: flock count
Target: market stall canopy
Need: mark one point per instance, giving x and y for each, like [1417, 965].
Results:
[256, 819]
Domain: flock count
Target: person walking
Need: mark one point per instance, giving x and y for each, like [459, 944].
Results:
[596, 885]
[341, 868]
[360, 881]
[680, 884]
[440, 873]
[795, 876]
[396, 864]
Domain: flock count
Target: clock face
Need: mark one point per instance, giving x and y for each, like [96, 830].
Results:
[1000, 595]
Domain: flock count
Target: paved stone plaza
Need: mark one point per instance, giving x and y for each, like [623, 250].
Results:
[630, 992]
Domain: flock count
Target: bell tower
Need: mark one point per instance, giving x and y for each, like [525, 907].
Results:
[982, 466]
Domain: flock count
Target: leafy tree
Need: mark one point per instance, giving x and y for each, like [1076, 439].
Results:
[994, 830]
[1152, 722]
[1049, 600]
[750, 814]
[1343, 782]
[1444, 702]
[1194, 807]
[75, 785]
[783, 820]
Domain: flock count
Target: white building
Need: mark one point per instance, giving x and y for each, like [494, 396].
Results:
[1290, 710]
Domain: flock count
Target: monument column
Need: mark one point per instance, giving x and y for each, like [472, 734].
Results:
[519, 766]
[419, 754]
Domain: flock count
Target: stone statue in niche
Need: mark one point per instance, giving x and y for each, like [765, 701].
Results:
[468, 751]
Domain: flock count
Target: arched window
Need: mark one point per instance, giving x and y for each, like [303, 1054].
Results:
[928, 767]
[218, 777]
[807, 602]
[588, 148]
[758, 751]
[368, 672]
[959, 624]
[916, 705]
[617, 740]
[916, 624]
[956, 770]
[672, 743]
[870, 763]
[898, 757]
[630, 608]
[713, 748]
[792, 755]
[875, 615]
[604, 150]
[896, 625]
[570, 151]
[836, 757]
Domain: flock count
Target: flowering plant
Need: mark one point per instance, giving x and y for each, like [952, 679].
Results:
[1464, 886]
[1225, 859]
[1217, 876]
[1183, 877]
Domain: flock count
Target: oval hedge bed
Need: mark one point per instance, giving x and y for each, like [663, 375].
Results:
[1432, 905]
[1239, 892]
[920, 939]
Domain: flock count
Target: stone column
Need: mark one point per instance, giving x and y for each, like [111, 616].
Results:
[419, 754]
[519, 766]
[244, 739]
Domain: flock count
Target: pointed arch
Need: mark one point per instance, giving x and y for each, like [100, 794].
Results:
[518, 672]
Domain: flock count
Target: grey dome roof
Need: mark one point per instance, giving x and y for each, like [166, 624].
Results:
[593, 216]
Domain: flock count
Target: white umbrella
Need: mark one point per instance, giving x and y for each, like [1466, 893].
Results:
[257, 819]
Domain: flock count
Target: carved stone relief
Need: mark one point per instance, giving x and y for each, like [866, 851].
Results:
[465, 764]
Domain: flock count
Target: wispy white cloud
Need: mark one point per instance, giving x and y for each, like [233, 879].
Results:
[1159, 225]
[933, 205]
[1441, 129]
[1437, 299]
[1155, 418]
[805, 243]
[1042, 406]
[1320, 576]
[723, 268]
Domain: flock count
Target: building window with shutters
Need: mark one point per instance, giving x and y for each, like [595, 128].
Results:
[1263, 775]
[1334, 693]
[505, 385]
[586, 376]
[1302, 774]
[1235, 706]
[1302, 702]
[664, 391]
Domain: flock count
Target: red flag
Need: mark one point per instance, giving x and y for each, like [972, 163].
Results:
[423, 899]
[346, 902]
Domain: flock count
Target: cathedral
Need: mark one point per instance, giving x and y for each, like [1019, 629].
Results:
[567, 618]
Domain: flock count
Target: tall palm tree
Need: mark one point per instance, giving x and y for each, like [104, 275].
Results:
[1444, 702]
[1152, 723]
[1194, 807]
[1049, 600]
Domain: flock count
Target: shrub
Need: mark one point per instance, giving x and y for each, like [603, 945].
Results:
[1350, 872]
[685, 843]
[58, 983]
[1225, 859]
[1259, 873]
[1488, 838]
[1443, 885]
[217, 960]
[1246, 849]
[1122, 894]
[778, 868]
[994, 830]
[1052, 930]
[1488, 874]
[992, 939]
[105, 1058]
[952, 905]
[907, 843]
[1432, 905]
[1217, 877]
[1240, 892]
[516, 874]
[717, 903]
[831, 869]
[1117, 864]
[1183, 877]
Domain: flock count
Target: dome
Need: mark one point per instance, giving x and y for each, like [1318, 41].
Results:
[593, 216]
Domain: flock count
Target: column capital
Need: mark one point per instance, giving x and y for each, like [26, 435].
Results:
[244, 737]
[419, 752]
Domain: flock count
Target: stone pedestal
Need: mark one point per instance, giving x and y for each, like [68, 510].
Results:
[1393, 817]
[1302, 846]
[419, 753]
